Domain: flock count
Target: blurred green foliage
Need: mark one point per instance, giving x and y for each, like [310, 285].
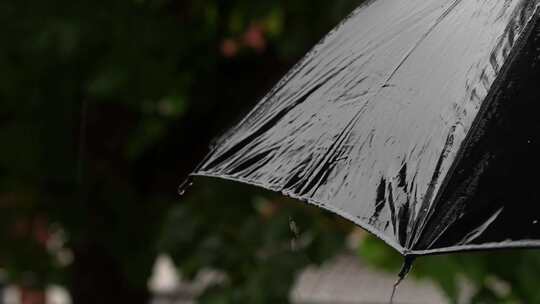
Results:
[105, 106]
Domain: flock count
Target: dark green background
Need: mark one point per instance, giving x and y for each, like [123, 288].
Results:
[106, 106]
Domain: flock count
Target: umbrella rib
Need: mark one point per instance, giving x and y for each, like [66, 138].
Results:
[422, 38]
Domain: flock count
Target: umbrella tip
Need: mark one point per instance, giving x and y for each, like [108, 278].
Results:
[405, 270]
[185, 185]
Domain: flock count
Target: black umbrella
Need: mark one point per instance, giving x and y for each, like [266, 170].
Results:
[417, 120]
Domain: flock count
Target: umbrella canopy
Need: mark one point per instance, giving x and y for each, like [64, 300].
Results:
[415, 119]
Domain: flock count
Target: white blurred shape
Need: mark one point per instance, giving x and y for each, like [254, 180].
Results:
[12, 295]
[164, 277]
[57, 295]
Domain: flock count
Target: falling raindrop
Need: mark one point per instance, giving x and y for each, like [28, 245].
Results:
[296, 233]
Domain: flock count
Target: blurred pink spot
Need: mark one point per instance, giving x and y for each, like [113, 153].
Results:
[254, 38]
[229, 48]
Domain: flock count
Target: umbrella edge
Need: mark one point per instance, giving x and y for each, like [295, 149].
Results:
[353, 219]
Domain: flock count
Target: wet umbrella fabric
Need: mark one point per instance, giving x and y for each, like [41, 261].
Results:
[415, 119]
